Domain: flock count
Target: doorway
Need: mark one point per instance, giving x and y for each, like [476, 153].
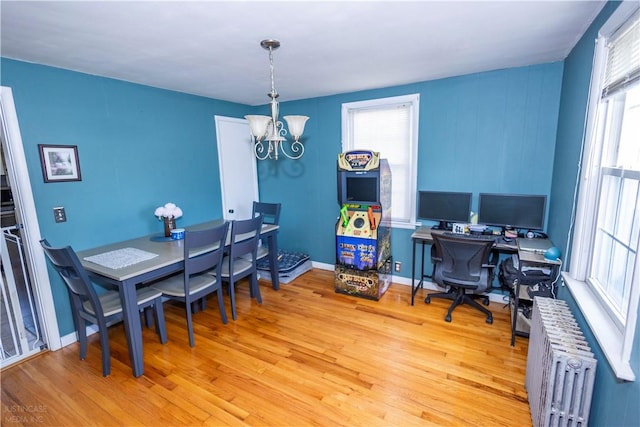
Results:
[238, 170]
[27, 313]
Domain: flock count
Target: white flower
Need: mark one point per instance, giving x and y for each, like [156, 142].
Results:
[169, 210]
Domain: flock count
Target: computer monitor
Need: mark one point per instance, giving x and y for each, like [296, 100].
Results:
[520, 211]
[446, 207]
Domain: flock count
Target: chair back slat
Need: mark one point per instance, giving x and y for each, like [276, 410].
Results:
[270, 212]
[244, 237]
[203, 249]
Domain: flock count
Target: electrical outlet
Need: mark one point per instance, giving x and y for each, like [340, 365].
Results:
[397, 266]
[59, 214]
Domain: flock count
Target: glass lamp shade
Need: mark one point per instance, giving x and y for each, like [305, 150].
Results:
[296, 125]
[258, 125]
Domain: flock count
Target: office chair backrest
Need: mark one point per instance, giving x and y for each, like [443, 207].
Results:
[462, 261]
[270, 212]
[66, 263]
[203, 249]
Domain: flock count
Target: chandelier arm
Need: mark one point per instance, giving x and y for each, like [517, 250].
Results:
[259, 147]
[296, 146]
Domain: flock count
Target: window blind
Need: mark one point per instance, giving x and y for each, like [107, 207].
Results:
[623, 61]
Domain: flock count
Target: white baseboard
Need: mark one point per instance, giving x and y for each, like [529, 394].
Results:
[73, 336]
[406, 281]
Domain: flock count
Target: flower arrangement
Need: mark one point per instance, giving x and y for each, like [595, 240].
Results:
[170, 210]
[168, 213]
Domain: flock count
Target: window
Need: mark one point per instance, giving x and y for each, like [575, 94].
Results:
[390, 126]
[605, 269]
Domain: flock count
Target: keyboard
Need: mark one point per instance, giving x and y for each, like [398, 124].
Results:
[472, 236]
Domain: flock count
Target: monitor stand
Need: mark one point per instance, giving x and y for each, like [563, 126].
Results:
[443, 225]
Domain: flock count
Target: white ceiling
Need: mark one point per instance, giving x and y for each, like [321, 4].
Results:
[212, 48]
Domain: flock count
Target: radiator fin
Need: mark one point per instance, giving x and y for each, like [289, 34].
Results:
[561, 368]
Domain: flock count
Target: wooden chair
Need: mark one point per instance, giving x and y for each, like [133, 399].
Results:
[102, 310]
[203, 251]
[270, 215]
[242, 257]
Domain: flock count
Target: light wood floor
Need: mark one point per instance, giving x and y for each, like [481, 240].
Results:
[306, 356]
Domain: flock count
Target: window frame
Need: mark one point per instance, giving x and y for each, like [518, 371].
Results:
[380, 103]
[615, 339]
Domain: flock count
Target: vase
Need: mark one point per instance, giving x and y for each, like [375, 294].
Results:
[169, 224]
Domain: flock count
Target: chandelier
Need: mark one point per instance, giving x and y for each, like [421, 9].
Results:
[268, 132]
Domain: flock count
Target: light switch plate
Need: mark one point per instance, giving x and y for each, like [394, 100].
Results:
[59, 214]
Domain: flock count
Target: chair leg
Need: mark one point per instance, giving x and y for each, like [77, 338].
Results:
[82, 337]
[472, 302]
[161, 327]
[223, 311]
[147, 317]
[255, 287]
[189, 323]
[104, 345]
[232, 297]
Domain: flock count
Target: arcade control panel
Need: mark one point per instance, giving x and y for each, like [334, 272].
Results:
[359, 223]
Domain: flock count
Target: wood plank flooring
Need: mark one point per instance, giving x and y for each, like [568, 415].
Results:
[306, 356]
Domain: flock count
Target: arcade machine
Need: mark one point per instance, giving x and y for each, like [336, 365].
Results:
[363, 231]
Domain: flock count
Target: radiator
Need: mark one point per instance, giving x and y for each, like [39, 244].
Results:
[560, 367]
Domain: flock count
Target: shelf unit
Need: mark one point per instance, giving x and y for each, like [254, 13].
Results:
[519, 297]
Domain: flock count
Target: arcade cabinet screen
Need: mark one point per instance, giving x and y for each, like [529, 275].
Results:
[362, 189]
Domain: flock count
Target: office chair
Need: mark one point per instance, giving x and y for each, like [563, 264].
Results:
[102, 310]
[463, 266]
[203, 251]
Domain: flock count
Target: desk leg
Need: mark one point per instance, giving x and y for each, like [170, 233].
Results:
[132, 327]
[272, 241]
[413, 272]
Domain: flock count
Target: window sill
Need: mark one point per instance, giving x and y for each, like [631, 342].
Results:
[404, 224]
[609, 337]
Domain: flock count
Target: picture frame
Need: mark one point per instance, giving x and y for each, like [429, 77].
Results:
[60, 163]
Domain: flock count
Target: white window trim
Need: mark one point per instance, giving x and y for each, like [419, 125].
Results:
[615, 343]
[414, 100]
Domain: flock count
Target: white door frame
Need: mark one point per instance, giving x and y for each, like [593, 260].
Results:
[17, 171]
[235, 155]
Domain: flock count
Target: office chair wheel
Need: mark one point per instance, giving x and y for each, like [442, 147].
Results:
[489, 320]
[447, 318]
[485, 301]
[427, 300]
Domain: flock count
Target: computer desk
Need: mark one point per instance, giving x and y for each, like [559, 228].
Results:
[423, 237]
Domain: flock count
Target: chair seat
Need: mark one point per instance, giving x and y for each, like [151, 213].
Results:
[174, 286]
[111, 303]
[263, 251]
[239, 266]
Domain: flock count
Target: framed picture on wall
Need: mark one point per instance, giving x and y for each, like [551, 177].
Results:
[60, 163]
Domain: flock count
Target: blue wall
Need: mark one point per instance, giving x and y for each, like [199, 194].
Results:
[614, 403]
[139, 148]
[486, 132]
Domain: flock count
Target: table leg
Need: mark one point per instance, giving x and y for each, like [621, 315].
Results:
[272, 241]
[132, 327]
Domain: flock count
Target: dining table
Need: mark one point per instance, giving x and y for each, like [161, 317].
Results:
[161, 257]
